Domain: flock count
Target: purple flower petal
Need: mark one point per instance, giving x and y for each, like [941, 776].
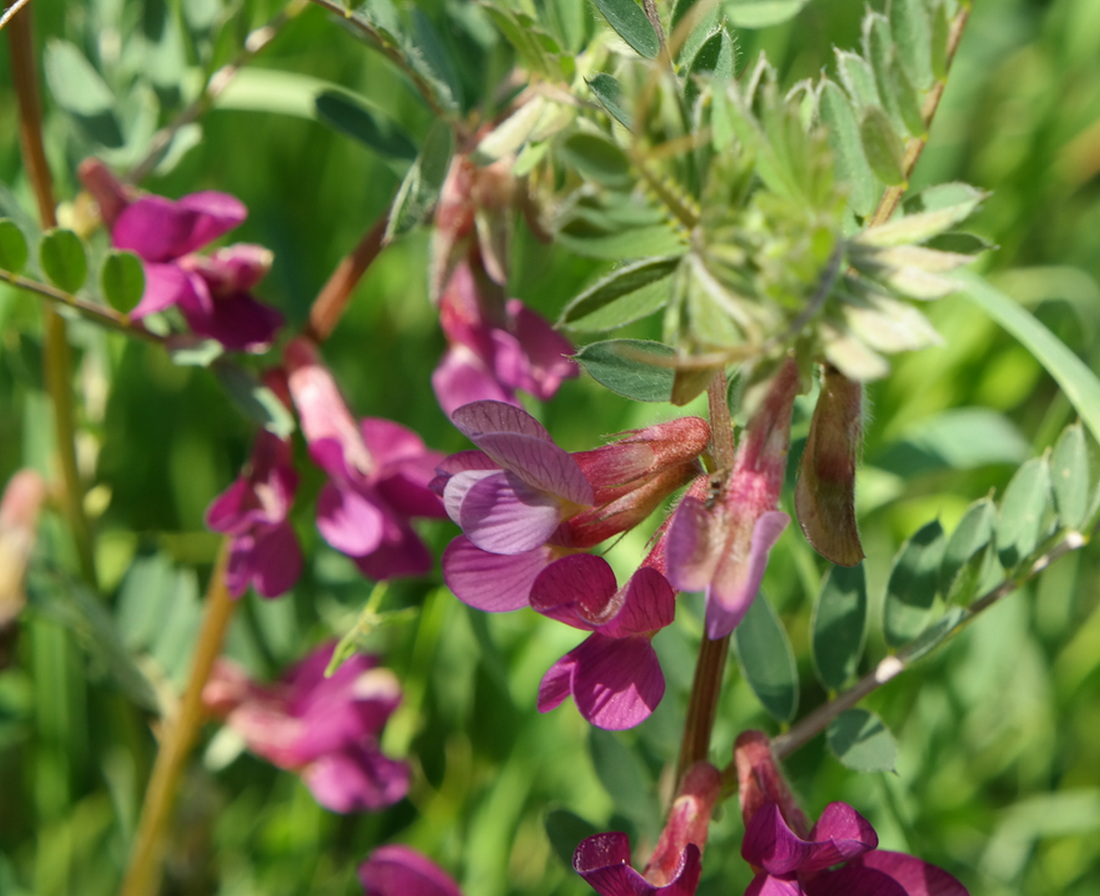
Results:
[461, 378]
[166, 285]
[915, 876]
[854, 880]
[159, 229]
[841, 833]
[276, 560]
[546, 350]
[401, 552]
[604, 863]
[396, 870]
[229, 512]
[238, 321]
[649, 604]
[696, 538]
[579, 590]
[737, 579]
[495, 583]
[770, 844]
[556, 684]
[617, 682]
[499, 512]
[356, 780]
[766, 885]
[349, 520]
[542, 465]
[236, 268]
[485, 417]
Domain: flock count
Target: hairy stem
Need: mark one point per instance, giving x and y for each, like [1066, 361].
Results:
[144, 872]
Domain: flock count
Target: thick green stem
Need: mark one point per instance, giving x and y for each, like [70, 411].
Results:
[146, 860]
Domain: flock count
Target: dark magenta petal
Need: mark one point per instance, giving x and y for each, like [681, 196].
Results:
[766, 885]
[166, 285]
[556, 684]
[737, 578]
[915, 876]
[542, 465]
[579, 590]
[546, 351]
[236, 268]
[853, 880]
[396, 870]
[841, 833]
[617, 682]
[649, 604]
[696, 538]
[604, 863]
[484, 417]
[356, 780]
[401, 553]
[770, 844]
[461, 378]
[495, 583]
[159, 229]
[349, 520]
[228, 512]
[500, 513]
[238, 321]
[277, 560]
[241, 565]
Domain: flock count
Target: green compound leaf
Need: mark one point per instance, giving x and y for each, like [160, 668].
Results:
[1077, 381]
[882, 146]
[61, 255]
[614, 300]
[761, 13]
[609, 92]
[621, 365]
[767, 660]
[959, 576]
[631, 24]
[852, 166]
[122, 280]
[839, 625]
[1069, 471]
[862, 742]
[912, 585]
[420, 189]
[13, 247]
[1026, 511]
[351, 117]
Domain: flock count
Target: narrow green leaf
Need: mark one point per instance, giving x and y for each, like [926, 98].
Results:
[564, 830]
[122, 280]
[973, 534]
[912, 585]
[431, 58]
[761, 13]
[419, 191]
[839, 625]
[1025, 515]
[857, 77]
[601, 301]
[356, 120]
[882, 146]
[911, 27]
[61, 255]
[852, 166]
[1069, 470]
[1077, 381]
[715, 56]
[941, 29]
[624, 777]
[13, 247]
[922, 226]
[767, 660]
[598, 159]
[520, 31]
[255, 400]
[879, 50]
[862, 742]
[621, 366]
[631, 24]
[609, 92]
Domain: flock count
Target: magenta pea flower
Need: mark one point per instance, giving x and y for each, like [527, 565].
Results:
[789, 865]
[263, 549]
[324, 729]
[719, 542]
[396, 870]
[378, 470]
[614, 676]
[495, 346]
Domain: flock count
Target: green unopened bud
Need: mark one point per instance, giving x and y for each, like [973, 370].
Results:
[824, 497]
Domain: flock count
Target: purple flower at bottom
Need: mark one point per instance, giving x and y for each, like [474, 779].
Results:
[791, 866]
[604, 862]
[324, 729]
[397, 870]
[263, 550]
[614, 676]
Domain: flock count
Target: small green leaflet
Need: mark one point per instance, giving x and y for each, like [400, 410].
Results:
[913, 584]
[862, 742]
[61, 255]
[621, 366]
[631, 24]
[767, 660]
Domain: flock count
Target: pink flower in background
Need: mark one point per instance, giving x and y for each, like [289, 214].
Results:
[212, 292]
[495, 346]
[324, 729]
[263, 550]
[396, 870]
[614, 676]
[378, 471]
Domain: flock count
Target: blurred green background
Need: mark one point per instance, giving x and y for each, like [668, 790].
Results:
[998, 777]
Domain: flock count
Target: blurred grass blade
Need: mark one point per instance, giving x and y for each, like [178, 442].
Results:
[1078, 382]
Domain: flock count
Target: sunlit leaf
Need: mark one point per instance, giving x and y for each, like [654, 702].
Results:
[122, 280]
[861, 741]
[761, 13]
[912, 585]
[853, 168]
[631, 24]
[767, 660]
[13, 247]
[79, 89]
[63, 260]
[608, 300]
[1025, 514]
[911, 27]
[621, 366]
[938, 632]
[882, 146]
[972, 535]
[839, 625]
[1069, 470]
